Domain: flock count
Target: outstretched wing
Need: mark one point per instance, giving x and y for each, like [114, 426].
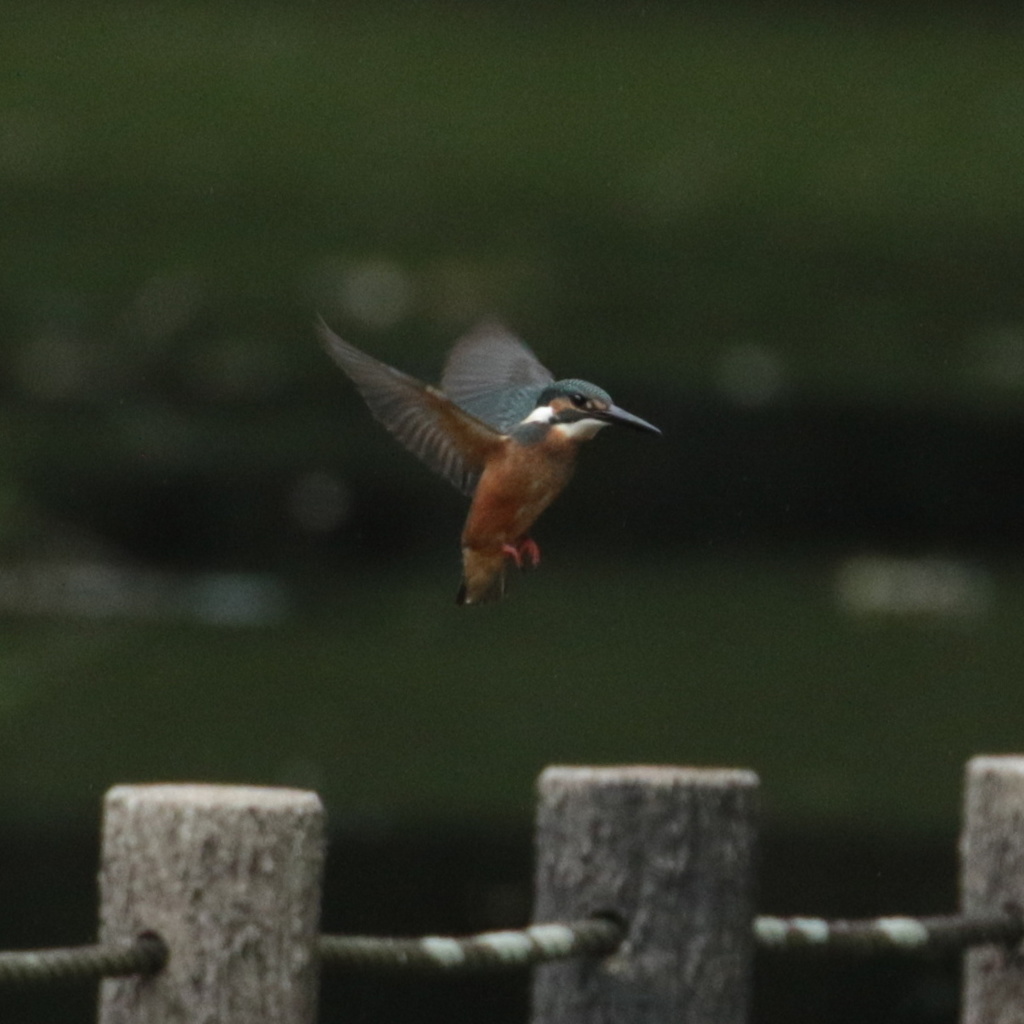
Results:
[494, 376]
[448, 439]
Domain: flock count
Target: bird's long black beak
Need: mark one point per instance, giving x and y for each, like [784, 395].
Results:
[613, 414]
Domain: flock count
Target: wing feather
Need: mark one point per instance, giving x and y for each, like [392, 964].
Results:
[494, 376]
[448, 439]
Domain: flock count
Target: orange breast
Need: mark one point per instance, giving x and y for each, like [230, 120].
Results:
[514, 490]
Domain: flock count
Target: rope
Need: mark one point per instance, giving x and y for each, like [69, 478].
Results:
[489, 951]
[886, 934]
[146, 955]
[528, 947]
[598, 937]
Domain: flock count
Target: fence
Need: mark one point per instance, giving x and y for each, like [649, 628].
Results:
[210, 901]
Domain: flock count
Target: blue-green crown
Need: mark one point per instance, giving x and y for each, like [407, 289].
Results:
[572, 386]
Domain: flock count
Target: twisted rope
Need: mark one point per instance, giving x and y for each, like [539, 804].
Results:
[528, 947]
[489, 951]
[598, 937]
[886, 934]
[146, 955]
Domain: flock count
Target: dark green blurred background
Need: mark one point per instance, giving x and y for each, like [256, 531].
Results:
[791, 237]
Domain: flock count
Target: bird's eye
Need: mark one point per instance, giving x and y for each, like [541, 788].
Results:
[579, 399]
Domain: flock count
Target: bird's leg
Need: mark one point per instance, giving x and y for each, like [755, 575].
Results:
[529, 551]
[524, 548]
[513, 552]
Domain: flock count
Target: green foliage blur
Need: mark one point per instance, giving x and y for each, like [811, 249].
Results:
[792, 239]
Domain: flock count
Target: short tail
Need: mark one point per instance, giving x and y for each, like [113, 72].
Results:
[483, 582]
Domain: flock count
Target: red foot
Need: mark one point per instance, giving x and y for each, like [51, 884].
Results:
[524, 549]
[528, 549]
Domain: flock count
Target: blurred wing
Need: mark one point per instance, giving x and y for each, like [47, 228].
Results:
[450, 441]
[494, 376]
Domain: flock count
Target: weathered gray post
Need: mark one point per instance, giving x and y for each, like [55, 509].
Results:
[669, 852]
[229, 877]
[992, 882]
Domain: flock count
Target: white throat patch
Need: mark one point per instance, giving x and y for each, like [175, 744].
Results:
[581, 430]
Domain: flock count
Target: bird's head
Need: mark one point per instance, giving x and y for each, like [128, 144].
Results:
[579, 409]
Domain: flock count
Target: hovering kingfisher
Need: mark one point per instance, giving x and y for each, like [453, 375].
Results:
[500, 428]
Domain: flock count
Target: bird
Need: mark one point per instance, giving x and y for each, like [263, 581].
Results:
[499, 427]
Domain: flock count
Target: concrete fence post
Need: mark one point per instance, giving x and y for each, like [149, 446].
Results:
[670, 853]
[230, 878]
[992, 882]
